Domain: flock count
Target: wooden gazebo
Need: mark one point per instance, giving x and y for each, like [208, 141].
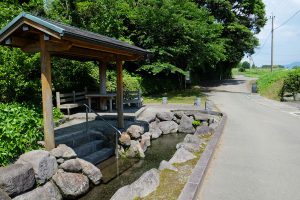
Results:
[34, 34]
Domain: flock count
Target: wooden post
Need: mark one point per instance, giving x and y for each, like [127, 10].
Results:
[120, 94]
[47, 95]
[102, 80]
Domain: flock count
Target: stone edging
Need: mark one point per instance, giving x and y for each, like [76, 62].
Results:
[195, 181]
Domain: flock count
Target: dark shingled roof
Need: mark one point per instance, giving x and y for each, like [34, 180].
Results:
[66, 30]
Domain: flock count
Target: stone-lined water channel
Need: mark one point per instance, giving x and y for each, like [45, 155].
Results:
[162, 148]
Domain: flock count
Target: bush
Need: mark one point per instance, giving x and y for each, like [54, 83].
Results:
[131, 81]
[291, 83]
[242, 69]
[20, 129]
[196, 123]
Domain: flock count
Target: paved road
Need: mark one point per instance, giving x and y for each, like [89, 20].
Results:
[258, 157]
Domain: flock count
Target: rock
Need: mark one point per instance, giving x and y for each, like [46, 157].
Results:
[63, 151]
[142, 187]
[16, 178]
[166, 165]
[60, 161]
[165, 116]
[214, 126]
[71, 185]
[168, 127]
[72, 165]
[191, 147]
[195, 139]
[44, 165]
[91, 171]
[203, 130]
[125, 139]
[179, 114]
[181, 155]
[186, 125]
[135, 150]
[46, 192]
[201, 116]
[148, 117]
[155, 130]
[176, 120]
[135, 131]
[146, 184]
[148, 134]
[4, 195]
[145, 142]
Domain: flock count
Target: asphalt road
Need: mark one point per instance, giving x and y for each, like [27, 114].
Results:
[258, 157]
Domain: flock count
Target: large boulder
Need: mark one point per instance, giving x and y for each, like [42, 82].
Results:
[135, 131]
[72, 165]
[166, 165]
[202, 130]
[16, 178]
[71, 185]
[46, 192]
[191, 147]
[135, 150]
[155, 130]
[165, 116]
[179, 114]
[181, 155]
[168, 127]
[4, 195]
[63, 151]
[91, 171]
[195, 139]
[145, 141]
[148, 117]
[186, 125]
[142, 187]
[125, 139]
[201, 116]
[44, 165]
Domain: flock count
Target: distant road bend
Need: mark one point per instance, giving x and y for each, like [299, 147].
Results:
[258, 157]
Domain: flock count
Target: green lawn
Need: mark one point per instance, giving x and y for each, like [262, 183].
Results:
[179, 97]
[256, 73]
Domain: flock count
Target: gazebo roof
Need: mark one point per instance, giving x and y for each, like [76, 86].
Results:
[65, 41]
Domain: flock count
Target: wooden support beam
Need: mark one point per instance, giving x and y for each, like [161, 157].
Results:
[50, 46]
[102, 85]
[47, 95]
[120, 110]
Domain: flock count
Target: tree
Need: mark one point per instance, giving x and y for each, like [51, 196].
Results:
[241, 20]
[246, 65]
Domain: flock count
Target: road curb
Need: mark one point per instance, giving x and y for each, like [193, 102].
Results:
[195, 181]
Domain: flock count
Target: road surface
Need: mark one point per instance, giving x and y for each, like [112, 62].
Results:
[258, 157]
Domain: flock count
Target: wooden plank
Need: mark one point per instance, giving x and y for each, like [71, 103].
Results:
[80, 93]
[65, 100]
[42, 28]
[66, 95]
[47, 96]
[120, 110]
[51, 47]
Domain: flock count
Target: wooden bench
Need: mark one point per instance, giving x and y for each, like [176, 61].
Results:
[133, 97]
[70, 100]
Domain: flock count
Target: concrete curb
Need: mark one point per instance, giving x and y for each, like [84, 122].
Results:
[195, 181]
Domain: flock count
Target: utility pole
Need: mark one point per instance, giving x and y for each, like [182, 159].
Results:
[272, 43]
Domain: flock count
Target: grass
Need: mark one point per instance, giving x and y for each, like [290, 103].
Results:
[179, 97]
[255, 73]
[172, 183]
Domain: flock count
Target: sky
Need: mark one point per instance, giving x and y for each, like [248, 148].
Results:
[286, 38]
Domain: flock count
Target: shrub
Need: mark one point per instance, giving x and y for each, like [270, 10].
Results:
[242, 69]
[20, 129]
[196, 123]
[291, 83]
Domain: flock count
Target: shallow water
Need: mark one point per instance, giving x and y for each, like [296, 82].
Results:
[162, 148]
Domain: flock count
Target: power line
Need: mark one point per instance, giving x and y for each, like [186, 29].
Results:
[296, 13]
[262, 46]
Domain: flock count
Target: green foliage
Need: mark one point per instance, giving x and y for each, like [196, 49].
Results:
[196, 123]
[131, 82]
[242, 69]
[246, 65]
[291, 83]
[20, 129]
